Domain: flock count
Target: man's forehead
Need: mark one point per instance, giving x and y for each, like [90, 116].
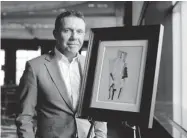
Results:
[73, 22]
[70, 19]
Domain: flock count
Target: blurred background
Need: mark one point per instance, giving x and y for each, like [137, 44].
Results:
[26, 32]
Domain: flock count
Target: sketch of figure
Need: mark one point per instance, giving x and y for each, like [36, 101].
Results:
[117, 75]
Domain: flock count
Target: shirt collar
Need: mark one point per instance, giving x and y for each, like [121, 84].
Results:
[61, 56]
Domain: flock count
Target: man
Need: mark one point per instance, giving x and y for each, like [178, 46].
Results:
[49, 87]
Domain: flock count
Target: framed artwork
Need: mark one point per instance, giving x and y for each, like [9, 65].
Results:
[121, 74]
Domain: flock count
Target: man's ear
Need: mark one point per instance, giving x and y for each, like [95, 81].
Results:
[55, 34]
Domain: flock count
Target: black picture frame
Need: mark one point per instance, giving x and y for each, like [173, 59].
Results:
[121, 74]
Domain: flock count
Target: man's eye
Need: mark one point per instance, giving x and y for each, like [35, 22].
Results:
[80, 31]
[65, 30]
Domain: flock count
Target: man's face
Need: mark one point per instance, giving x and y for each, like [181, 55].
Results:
[70, 36]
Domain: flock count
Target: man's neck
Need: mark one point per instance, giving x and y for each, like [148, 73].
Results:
[69, 55]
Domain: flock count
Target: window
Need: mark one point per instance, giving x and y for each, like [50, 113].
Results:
[180, 66]
[2, 63]
[22, 56]
[171, 104]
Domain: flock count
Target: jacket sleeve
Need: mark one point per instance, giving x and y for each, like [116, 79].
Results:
[100, 129]
[27, 93]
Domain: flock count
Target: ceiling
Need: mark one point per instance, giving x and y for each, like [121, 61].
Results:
[34, 6]
[35, 19]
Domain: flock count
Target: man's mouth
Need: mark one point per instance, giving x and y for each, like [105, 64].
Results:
[73, 44]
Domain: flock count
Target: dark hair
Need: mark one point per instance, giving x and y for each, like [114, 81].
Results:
[68, 13]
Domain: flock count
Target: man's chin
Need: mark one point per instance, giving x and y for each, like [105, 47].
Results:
[73, 51]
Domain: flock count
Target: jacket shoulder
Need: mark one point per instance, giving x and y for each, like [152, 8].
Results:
[38, 60]
[38, 63]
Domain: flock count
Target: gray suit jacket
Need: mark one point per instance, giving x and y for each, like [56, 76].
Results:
[42, 93]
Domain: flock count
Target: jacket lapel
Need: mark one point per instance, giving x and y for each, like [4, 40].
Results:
[54, 72]
[81, 68]
[81, 65]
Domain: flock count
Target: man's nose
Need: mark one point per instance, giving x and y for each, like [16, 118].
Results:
[74, 35]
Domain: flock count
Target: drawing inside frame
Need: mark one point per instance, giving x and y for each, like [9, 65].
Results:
[118, 78]
[121, 74]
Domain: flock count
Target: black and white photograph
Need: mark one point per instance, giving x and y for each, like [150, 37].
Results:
[93, 69]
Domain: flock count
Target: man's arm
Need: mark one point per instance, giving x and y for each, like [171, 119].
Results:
[100, 129]
[27, 102]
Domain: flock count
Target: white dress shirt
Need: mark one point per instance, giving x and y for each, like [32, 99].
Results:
[70, 72]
